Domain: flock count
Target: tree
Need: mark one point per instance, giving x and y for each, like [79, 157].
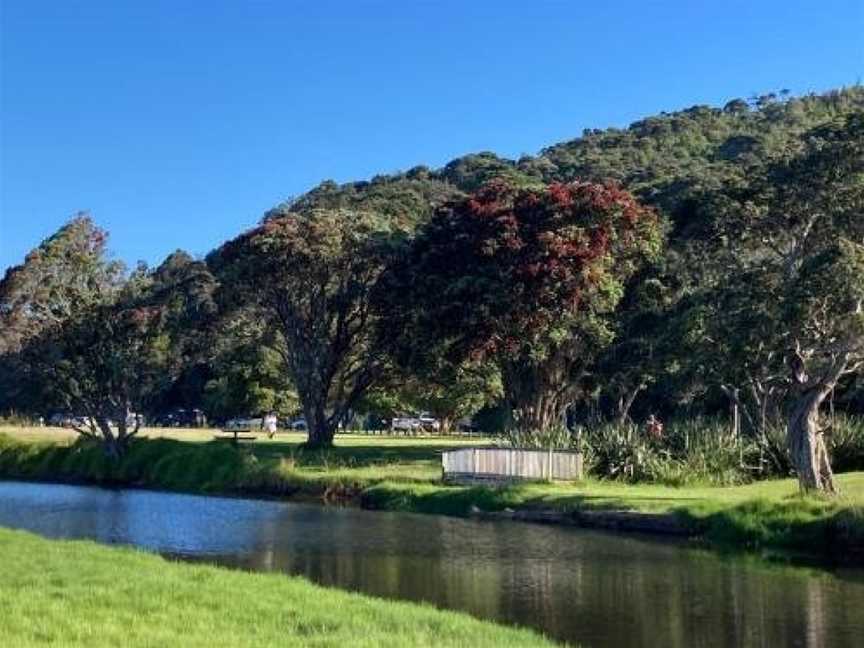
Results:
[184, 289]
[449, 393]
[311, 276]
[794, 229]
[526, 278]
[67, 273]
[454, 394]
[95, 342]
[247, 373]
[102, 363]
[827, 308]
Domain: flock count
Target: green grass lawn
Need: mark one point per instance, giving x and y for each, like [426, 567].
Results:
[398, 473]
[356, 458]
[82, 594]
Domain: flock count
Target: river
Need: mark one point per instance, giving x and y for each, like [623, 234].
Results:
[592, 588]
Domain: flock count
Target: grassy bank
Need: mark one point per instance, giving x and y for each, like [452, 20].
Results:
[83, 594]
[760, 515]
[404, 474]
[190, 460]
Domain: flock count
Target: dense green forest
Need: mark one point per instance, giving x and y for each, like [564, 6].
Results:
[698, 263]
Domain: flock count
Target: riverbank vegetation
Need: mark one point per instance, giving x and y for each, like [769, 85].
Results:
[700, 265]
[405, 475]
[67, 593]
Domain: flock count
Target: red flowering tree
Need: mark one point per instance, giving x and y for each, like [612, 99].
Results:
[528, 279]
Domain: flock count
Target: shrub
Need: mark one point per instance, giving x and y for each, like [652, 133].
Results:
[690, 451]
[846, 443]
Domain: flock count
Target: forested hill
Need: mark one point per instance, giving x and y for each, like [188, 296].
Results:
[667, 159]
[700, 168]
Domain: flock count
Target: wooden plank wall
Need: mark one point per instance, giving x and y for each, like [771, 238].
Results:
[512, 463]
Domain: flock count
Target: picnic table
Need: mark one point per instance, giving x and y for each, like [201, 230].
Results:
[235, 435]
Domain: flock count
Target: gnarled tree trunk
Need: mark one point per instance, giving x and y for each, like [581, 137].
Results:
[539, 415]
[536, 405]
[445, 425]
[539, 393]
[116, 441]
[804, 436]
[806, 440]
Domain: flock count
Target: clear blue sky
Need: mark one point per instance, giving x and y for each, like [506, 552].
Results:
[177, 123]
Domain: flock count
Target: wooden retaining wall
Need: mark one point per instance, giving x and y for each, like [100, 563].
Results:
[470, 464]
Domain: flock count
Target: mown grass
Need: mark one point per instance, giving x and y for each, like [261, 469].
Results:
[764, 514]
[404, 474]
[82, 594]
[161, 458]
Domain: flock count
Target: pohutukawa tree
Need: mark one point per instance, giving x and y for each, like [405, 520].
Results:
[67, 274]
[311, 275]
[81, 335]
[526, 278]
[102, 364]
[796, 232]
[108, 358]
[827, 304]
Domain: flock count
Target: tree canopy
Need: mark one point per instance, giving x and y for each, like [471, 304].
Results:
[311, 275]
[525, 278]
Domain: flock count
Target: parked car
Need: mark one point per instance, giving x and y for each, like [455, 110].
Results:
[244, 423]
[406, 424]
[429, 423]
[467, 426]
[181, 417]
[134, 419]
[298, 424]
[59, 419]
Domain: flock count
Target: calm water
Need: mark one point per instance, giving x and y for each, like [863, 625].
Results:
[595, 589]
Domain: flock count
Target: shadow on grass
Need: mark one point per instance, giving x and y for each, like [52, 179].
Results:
[353, 455]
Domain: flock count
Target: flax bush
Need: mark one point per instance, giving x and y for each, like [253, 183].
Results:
[690, 451]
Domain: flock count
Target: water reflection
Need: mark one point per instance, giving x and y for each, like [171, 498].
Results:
[591, 588]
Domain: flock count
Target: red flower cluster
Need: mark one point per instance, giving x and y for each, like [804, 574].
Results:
[515, 261]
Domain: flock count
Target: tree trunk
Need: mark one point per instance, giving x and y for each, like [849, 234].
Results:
[321, 429]
[539, 415]
[538, 394]
[806, 442]
[445, 423]
[321, 437]
[109, 444]
[626, 403]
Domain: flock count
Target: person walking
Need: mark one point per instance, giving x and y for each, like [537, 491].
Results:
[654, 428]
[270, 424]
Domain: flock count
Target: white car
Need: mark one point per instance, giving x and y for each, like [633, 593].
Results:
[406, 424]
[429, 423]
